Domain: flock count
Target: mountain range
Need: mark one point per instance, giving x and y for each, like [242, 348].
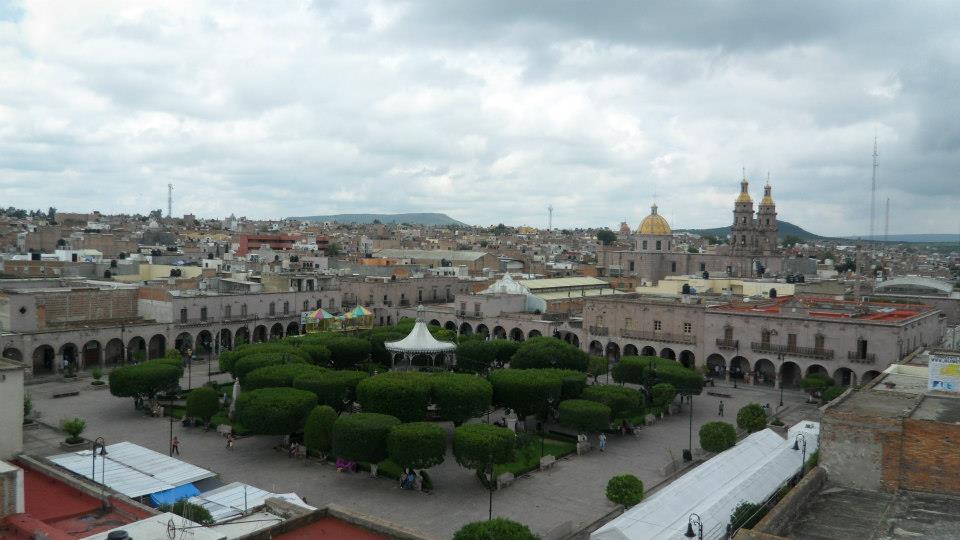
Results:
[784, 229]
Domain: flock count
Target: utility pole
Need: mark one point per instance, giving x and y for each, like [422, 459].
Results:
[873, 191]
[549, 217]
[170, 200]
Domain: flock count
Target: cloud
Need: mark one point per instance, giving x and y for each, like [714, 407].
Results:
[488, 111]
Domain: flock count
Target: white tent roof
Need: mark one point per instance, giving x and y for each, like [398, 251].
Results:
[158, 526]
[132, 470]
[505, 285]
[420, 340]
[229, 501]
[750, 471]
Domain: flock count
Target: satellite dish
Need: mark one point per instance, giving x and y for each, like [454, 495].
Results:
[171, 529]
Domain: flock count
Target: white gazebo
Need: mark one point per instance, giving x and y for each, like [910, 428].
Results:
[420, 350]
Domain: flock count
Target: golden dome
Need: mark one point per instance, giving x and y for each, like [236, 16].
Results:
[767, 198]
[654, 223]
[744, 196]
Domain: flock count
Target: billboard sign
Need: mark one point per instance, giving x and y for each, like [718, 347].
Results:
[944, 373]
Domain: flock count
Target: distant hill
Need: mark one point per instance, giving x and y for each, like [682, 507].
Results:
[784, 229]
[909, 238]
[364, 219]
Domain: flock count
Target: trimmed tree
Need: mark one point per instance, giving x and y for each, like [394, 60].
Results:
[816, 383]
[475, 356]
[460, 397]
[278, 376]
[549, 352]
[318, 430]
[403, 395]
[527, 391]
[504, 348]
[144, 380]
[362, 437]
[495, 529]
[229, 359]
[663, 395]
[620, 399]
[649, 371]
[584, 415]
[275, 411]
[832, 393]
[746, 515]
[378, 351]
[597, 366]
[625, 489]
[477, 445]
[332, 387]
[253, 362]
[203, 403]
[751, 417]
[717, 436]
[347, 352]
[418, 445]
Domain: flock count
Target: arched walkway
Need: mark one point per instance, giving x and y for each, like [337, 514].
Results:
[91, 354]
[790, 375]
[516, 334]
[766, 372]
[157, 347]
[12, 353]
[70, 354]
[43, 359]
[499, 332]
[817, 368]
[844, 377]
[434, 322]
[630, 350]
[183, 342]
[613, 352]
[204, 342]
[259, 334]
[668, 353]
[465, 329]
[113, 352]
[276, 331]
[688, 359]
[739, 367]
[868, 376]
[575, 341]
[241, 336]
[451, 326]
[483, 330]
[716, 365]
[293, 329]
[136, 349]
[533, 334]
[226, 341]
[596, 348]
[648, 351]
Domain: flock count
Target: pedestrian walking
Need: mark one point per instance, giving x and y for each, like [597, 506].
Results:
[720, 409]
[603, 441]
[176, 446]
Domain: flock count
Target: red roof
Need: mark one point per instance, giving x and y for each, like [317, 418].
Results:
[829, 308]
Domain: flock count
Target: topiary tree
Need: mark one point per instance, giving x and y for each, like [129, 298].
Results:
[751, 417]
[318, 429]
[347, 352]
[649, 371]
[571, 386]
[831, 393]
[625, 489]
[505, 349]
[333, 388]
[378, 351]
[495, 529]
[319, 354]
[816, 383]
[620, 399]
[717, 436]
[663, 395]
[362, 437]
[418, 445]
[229, 359]
[475, 356]
[460, 397]
[403, 395]
[144, 380]
[278, 375]
[193, 512]
[275, 411]
[597, 366]
[527, 391]
[477, 445]
[203, 403]
[549, 352]
[584, 415]
[73, 427]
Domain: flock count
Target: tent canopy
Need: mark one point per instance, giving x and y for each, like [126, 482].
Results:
[420, 340]
[171, 496]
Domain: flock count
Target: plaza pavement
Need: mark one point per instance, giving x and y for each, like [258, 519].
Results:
[565, 499]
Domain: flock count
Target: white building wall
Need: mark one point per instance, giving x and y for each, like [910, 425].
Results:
[11, 410]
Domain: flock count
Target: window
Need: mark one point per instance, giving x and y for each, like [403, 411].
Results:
[657, 326]
[183, 314]
[332, 303]
[243, 310]
[384, 299]
[599, 321]
[659, 244]
[203, 314]
[273, 308]
[644, 244]
[227, 311]
[419, 295]
[476, 308]
[728, 332]
[703, 267]
[306, 305]
[463, 307]
[765, 336]
[286, 308]
[319, 303]
[628, 323]
[631, 266]
[687, 328]
[791, 341]
[818, 342]
[673, 266]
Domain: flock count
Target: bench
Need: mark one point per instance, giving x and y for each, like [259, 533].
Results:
[547, 462]
[66, 394]
[505, 480]
[583, 447]
[719, 394]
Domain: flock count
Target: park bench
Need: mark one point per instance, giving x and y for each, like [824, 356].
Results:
[719, 394]
[505, 480]
[66, 394]
[583, 447]
[547, 462]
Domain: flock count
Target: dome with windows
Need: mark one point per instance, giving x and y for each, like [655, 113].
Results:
[654, 224]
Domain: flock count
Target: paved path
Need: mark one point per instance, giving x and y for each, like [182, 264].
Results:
[569, 497]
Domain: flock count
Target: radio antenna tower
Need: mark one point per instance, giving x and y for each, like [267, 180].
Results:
[170, 200]
[549, 217]
[873, 192]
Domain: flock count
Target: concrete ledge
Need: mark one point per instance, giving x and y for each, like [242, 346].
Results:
[788, 509]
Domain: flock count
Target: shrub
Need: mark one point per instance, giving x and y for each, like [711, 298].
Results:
[27, 405]
[203, 403]
[495, 529]
[347, 352]
[746, 515]
[278, 375]
[548, 352]
[526, 391]
[73, 427]
[477, 445]
[504, 349]
[572, 386]
[418, 445]
[831, 393]
[193, 512]
[318, 354]
[97, 373]
[597, 366]
[717, 436]
[584, 415]
[625, 489]
[378, 351]
[620, 399]
[318, 429]
[274, 411]
[663, 394]
[331, 387]
[229, 359]
[816, 383]
[751, 417]
[460, 397]
[649, 371]
[143, 380]
[253, 362]
[404, 395]
[362, 437]
[476, 356]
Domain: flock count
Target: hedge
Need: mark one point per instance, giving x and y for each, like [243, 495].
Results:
[347, 352]
[549, 352]
[404, 395]
[319, 354]
[620, 399]
[252, 362]
[495, 529]
[815, 383]
[477, 445]
[663, 394]
[476, 356]
[649, 371]
[279, 375]
[229, 359]
[504, 349]
[717, 436]
[584, 415]
[527, 391]
[318, 430]
[363, 436]
[418, 445]
[460, 397]
[832, 393]
[331, 387]
[378, 352]
[274, 411]
[143, 380]
[203, 403]
[597, 366]
[625, 489]
[751, 417]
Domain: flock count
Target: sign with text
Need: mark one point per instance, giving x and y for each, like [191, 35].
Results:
[944, 373]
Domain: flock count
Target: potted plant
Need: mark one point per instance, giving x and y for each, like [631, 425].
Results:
[73, 427]
[97, 376]
[27, 409]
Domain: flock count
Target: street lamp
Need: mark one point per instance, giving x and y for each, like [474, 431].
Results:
[99, 442]
[549, 408]
[801, 442]
[694, 521]
[490, 487]
[688, 456]
[189, 357]
[780, 357]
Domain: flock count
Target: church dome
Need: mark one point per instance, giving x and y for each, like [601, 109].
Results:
[654, 223]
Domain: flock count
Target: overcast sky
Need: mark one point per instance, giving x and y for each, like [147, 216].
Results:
[488, 111]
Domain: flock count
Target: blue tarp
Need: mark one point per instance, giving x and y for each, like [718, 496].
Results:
[171, 496]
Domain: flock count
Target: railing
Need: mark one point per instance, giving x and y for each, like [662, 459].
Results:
[600, 330]
[860, 358]
[469, 314]
[811, 352]
[575, 324]
[659, 336]
[253, 316]
[388, 303]
[728, 343]
[404, 302]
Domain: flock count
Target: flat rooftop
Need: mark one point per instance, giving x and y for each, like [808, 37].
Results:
[830, 309]
[878, 404]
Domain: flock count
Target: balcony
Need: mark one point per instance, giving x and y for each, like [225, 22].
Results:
[728, 343]
[241, 317]
[599, 330]
[666, 337]
[404, 302]
[809, 352]
[469, 314]
[861, 358]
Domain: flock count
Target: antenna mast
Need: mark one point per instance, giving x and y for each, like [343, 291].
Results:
[549, 217]
[170, 200]
[873, 191]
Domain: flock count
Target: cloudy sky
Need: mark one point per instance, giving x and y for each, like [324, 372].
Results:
[487, 111]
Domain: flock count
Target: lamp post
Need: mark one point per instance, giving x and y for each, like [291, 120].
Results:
[689, 454]
[170, 414]
[490, 488]
[99, 443]
[549, 408]
[188, 354]
[800, 442]
[780, 357]
[694, 521]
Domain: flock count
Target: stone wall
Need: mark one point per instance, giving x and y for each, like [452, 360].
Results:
[778, 519]
[64, 308]
[930, 459]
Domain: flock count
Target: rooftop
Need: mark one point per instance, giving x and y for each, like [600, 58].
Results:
[829, 309]
[436, 254]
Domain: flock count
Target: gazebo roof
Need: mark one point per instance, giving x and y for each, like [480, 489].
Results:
[419, 340]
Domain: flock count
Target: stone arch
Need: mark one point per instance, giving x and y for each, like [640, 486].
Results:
[499, 332]
[613, 351]
[451, 326]
[516, 334]
[259, 333]
[226, 339]
[766, 372]
[433, 322]
[844, 376]
[630, 350]
[575, 340]
[276, 331]
[13, 353]
[136, 349]
[465, 329]
[44, 359]
[483, 330]
[183, 342]
[157, 346]
[90, 353]
[293, 329]
[817, 368]
[533, 334]
[668, 353]
[113, 352]
[204, 342]
[596, 348]
[716, 365]
[688, 359]
[739, 367]
[69, 353]
[868, 376]
[790, 375]
[648, 351]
